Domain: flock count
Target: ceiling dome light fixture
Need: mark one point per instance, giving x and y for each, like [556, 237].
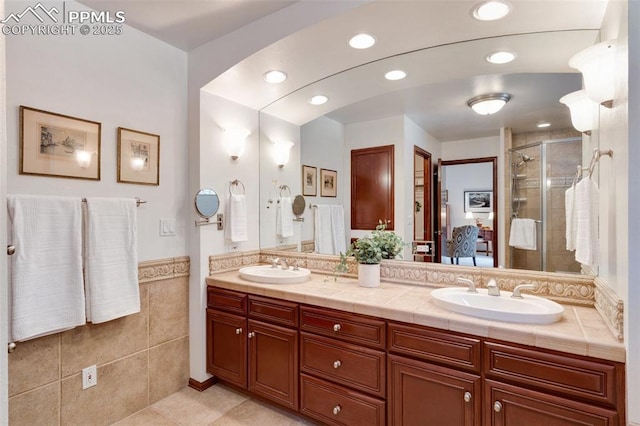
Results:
[275, 76]
[318, 100]
[501, 57]
[491, 10]
[395, 75]
[362, 41]
[488, 104]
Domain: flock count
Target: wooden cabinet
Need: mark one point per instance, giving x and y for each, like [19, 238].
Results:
[227, 347]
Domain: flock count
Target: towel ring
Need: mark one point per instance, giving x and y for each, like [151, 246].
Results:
[236, 183]
[285, 187]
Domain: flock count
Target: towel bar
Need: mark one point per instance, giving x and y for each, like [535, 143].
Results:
[138, 201]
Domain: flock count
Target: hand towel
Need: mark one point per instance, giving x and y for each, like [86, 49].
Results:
[523, 234]
[586, 211]
[337, 229]
[236, 219]
[47, 294]
[570, 218]
[111, 259]
[323, 234]
[284, 218]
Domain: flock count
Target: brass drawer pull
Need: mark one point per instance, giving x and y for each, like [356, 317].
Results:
[337, 364]
[336, 410]
[336, 327]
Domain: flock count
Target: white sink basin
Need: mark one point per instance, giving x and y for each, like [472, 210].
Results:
[269, 275]
[530, 309]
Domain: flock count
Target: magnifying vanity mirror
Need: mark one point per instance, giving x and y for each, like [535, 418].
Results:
[299, 205]
[207, 204]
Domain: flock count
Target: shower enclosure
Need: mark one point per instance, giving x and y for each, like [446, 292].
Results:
[540, 173]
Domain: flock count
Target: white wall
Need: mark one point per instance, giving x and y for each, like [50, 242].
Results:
[471, 148]
[322, 146]
[131, 80]
[466, 177]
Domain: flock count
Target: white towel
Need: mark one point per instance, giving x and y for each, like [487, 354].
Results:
[570, 218]
[284, 218]
[337, 229]
[586, 207]
[47, 294]
[236, 219]
[111, 259]
[523, 234]
[323, 234]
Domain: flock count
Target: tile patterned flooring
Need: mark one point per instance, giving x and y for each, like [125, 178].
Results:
[216, 406]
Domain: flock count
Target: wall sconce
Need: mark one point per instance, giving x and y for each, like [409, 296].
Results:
[489, 104]
[281, 151]
[597, 65]
[581, 108]
[83, 158]
[234, 140]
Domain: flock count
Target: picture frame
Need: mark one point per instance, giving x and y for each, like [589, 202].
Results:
[328, 183]
[309, 181]
[480, 201]
[138, 157]
[59, 145]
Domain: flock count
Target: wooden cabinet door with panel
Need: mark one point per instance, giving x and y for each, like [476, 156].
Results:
[227, 346]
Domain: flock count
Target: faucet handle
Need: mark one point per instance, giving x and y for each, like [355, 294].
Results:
[471, 284]
[274, 261]
[516, 291]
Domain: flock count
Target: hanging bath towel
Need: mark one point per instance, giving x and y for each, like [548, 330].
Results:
[586, 207]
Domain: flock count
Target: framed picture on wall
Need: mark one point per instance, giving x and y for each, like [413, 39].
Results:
[138, 157]
[309, 181]
[58, 145]
[328, 183]
[478, 201]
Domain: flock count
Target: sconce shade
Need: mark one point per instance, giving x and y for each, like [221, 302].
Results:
[581, 108]
[281, 151]
[597, 65]
[488, 104]
[234, 141]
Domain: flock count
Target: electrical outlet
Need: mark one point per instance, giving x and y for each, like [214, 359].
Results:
[89, 377]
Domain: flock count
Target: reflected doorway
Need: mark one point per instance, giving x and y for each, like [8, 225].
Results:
[422, 202]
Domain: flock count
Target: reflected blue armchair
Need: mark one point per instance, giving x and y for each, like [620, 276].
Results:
[463, 243]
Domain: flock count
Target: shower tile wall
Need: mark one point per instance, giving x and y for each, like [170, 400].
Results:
[561, 167]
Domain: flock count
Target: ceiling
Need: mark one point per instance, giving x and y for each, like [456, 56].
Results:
[446, 68]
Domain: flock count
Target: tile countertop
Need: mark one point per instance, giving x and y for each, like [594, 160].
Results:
[581, 330]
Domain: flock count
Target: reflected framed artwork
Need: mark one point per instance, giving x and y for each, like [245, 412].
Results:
[59, 145]
[328, 183]
[478, 201]
[309, 181]
[138, 157]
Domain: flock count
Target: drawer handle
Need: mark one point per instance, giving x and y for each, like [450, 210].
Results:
[497, 407]
[336, 410]
[252, 335]
[467, 397]
[337, 364]
[238, 330]
[336, 327]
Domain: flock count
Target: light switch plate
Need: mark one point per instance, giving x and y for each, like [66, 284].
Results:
[167, 227]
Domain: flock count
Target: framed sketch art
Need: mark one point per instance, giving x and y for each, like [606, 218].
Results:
[58, 145]
[138, 157]
[309, 181]
[328, 183]
[478, 201]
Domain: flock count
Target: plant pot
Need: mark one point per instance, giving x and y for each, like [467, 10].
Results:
[368, 275]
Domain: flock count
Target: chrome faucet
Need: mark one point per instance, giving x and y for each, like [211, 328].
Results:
[284, 264]
[471, 284]
[492, 288]
[516, 291]
[274, 262]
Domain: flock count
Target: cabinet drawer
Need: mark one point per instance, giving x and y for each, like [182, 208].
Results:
[431, 345]
[227, 300]
[596, 381]
[336, 405]
[273, 311]
[344, 363]
[349, 327]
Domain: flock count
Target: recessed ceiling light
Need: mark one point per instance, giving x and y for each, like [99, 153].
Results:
[491, 10]
[318, 100]
[502, 57]
[395, 75]
[489, 104]
[275, 76]
[543, 125]
[362, 41]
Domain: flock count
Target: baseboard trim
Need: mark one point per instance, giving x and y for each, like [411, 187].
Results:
[202, 386]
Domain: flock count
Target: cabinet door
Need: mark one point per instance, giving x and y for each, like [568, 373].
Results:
[423, 394]
[507, 405]
[227, 347]
[273, 363]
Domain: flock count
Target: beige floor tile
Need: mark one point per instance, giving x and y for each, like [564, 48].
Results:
[146, 417]
[188, 407]
[252, 412]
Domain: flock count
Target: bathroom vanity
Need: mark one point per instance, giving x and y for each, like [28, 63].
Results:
[345, 355]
